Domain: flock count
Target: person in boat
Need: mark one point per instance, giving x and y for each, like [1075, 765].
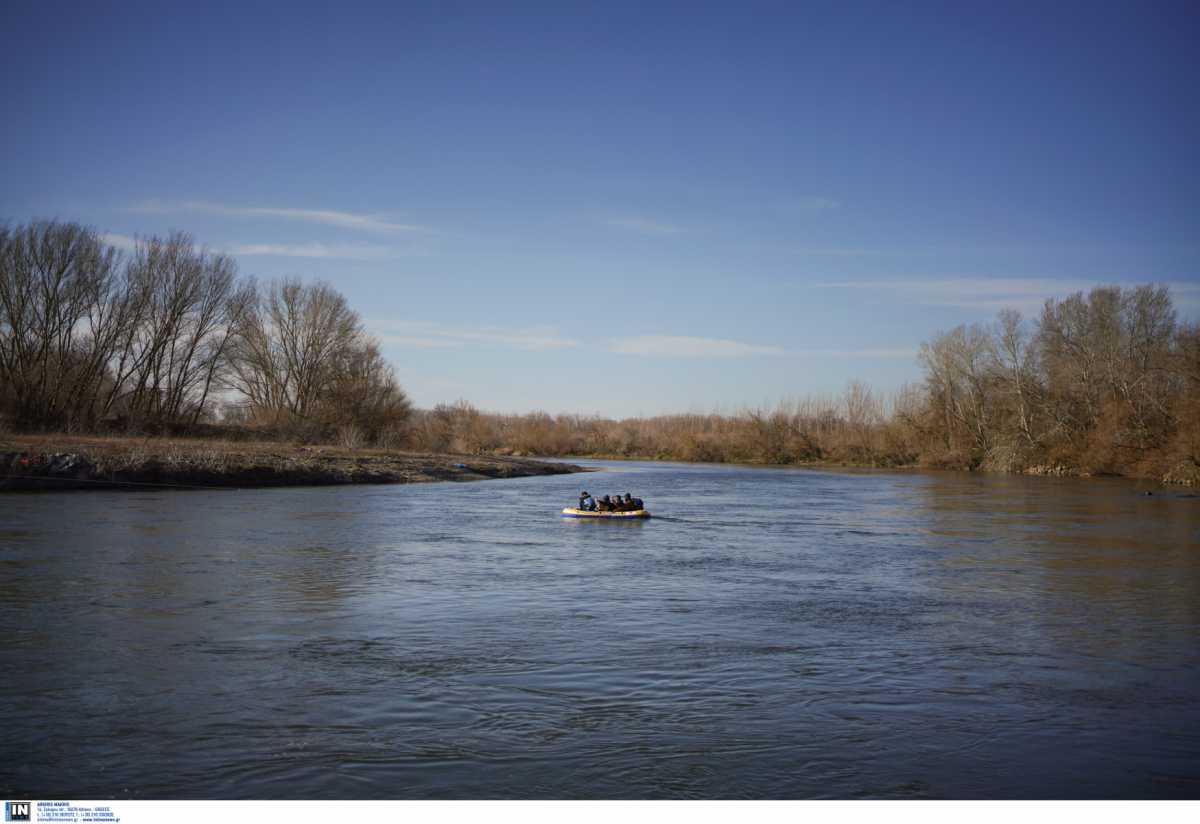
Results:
[633, 504]
[586, 502]
[617, 504]
[604, 505]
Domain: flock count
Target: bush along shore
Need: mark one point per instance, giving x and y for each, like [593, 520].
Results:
[42, 463]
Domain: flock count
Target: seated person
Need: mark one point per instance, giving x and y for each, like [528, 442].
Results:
[632, 503]
[586, 502]
[604, 505]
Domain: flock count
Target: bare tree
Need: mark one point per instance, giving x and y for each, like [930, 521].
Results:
[1112, 347]
[365, 395]
[1143, 375]
[863, 412]
[51, 277]
[1014, 359]
[958, 380]
[289, 346]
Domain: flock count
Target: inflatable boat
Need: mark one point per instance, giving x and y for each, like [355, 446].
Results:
[572, 512]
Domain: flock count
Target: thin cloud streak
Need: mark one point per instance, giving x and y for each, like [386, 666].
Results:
[431, 335]
[815, 204]
[316, 250]
[993, 294]
[328, 217]
[417, 342]
[674, 346]
[677, 346]
[839, 251]
[855, 353]
[645, 226]
[299, 250]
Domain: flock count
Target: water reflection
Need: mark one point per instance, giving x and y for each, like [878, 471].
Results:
[1115, 571]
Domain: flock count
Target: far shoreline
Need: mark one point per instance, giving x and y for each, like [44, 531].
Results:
[41, 463]
[1050, 471]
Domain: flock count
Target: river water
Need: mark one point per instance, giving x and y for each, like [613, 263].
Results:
[770, 633]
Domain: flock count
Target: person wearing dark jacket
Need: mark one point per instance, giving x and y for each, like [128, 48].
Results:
[604, 505]
[632, 503]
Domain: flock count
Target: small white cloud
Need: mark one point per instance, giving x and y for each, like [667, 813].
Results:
[430, 335]
[645, 226]
[672, 346]
[328, 217]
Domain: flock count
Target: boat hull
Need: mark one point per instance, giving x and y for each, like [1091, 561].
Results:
[572, 512]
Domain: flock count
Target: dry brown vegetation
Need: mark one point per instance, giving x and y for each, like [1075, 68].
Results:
[1102, 383]
[852, 429]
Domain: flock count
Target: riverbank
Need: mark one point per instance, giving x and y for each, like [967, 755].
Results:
[1181, 473]
[55, 462]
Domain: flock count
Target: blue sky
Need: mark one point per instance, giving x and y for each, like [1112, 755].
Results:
[629, 208]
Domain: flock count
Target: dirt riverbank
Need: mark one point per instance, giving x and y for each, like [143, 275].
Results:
[54, 462]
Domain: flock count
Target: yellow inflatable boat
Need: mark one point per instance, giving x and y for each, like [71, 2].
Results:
[572, 512]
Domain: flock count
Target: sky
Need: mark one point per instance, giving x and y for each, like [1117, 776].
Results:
[628, 208]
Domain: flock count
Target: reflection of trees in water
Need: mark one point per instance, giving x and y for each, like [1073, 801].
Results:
[1089, 563]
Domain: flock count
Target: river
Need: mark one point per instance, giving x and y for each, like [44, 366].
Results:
[774, 633]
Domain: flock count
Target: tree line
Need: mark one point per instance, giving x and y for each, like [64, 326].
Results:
[168, 337]
[160, 338]
[1106, 382]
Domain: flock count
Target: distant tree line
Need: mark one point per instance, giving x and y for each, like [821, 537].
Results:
[1106, 382]
[92, 338]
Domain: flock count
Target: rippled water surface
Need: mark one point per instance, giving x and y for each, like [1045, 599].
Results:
[772, 633]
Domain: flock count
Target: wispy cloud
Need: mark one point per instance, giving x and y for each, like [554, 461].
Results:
[993, 294]
[316, 250]
[645, 226]
[673, 346]
[124, 242]
[840, 251]
[814, 204]
[856, 353]
[345, 251]
[329, 217]
[431, 335]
